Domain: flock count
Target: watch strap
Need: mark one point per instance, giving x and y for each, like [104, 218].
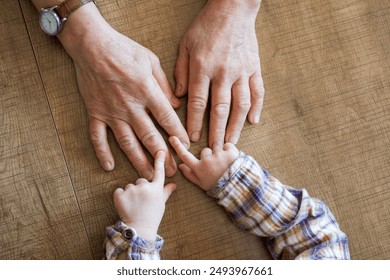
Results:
[69, 6]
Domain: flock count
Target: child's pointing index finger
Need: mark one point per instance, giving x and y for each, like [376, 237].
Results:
[189, 159]
[159, 172]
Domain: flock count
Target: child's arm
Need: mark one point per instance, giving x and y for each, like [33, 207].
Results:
[140, 207]
[296, 225]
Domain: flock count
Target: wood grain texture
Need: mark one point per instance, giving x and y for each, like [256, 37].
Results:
[39, 214]
[325, 126]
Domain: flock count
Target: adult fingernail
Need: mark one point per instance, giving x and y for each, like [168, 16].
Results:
[195, 136]
[107, 165]
[170, 170]
[178, 90]
[148, 174]
[175, 101]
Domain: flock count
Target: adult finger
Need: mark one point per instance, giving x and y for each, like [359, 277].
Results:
[220, 108]
[181, 71]
[130, 145]
[185, 156]
[165, 115]
[159, 174]
[164, 84]
[98, 134]
[257, 96]
[129, 186]
[241, 104]
[198, 94]
[151, 138]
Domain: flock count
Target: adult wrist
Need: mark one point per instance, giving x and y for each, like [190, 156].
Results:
[39, 4]
[86, 22]
[248, 7]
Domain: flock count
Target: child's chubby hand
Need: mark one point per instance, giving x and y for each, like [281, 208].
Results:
[142, 205]
[206, 171]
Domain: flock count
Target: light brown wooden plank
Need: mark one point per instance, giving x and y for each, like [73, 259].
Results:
[325, 123]
[39, 215]
[326, 67]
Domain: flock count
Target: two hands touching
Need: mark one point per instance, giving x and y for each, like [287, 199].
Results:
[124, 87]
[142, 205]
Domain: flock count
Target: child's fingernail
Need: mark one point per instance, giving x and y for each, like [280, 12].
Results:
[186, 144]
[195, 136]
[233, 140]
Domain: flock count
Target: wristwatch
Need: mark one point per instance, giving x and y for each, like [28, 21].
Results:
[52, 19]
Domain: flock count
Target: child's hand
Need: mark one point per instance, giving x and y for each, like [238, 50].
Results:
[212, 164]
[142, 205]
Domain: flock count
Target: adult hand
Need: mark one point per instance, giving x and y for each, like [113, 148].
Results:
[220, 53]
[142, 205]
[122, 84]
[209, 168]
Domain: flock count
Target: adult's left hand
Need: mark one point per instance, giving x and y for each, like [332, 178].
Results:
[219, 54]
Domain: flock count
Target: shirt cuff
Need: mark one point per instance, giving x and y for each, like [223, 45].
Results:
[217, 190]
[121, 238]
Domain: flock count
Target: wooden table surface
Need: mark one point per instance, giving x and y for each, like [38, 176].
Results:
[325, 126]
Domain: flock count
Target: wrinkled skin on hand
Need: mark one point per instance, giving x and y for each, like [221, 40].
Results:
[123, 86]
[219, 60]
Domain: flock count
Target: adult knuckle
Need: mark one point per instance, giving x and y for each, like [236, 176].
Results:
[197, 104]
[198, 60]
[98, 142]
[126, 142]
[150, 139]
[243, 104]
[96, 138]
[221, 109]
[166, 119]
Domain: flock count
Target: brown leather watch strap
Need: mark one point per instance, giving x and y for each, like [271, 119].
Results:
[69, 6]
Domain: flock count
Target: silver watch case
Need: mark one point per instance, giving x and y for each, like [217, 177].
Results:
[59, 23]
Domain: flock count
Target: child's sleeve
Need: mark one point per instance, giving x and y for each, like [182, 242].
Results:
[296, 225]
[120, 238]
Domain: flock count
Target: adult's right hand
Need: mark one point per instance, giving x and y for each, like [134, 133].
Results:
[121, 83]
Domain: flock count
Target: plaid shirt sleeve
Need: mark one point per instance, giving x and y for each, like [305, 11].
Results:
[120, 238]
[296, 226]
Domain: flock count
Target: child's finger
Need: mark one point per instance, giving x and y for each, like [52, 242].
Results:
[188, 173]
[118, 191]
[228, 146]
[188, 158]
[205, 153]
[159, 172]
[168, 190]
[129, 186]
[141, 180]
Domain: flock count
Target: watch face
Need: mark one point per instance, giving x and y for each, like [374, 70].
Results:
[50, 22]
